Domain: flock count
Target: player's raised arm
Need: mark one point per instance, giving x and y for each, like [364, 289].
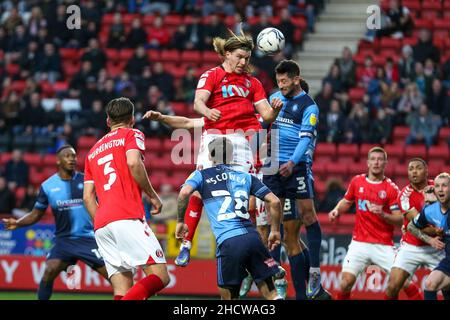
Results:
[269, 112]
[31, 218]
[137, 169]
[176, 122]
[415, 227]
[201, 97]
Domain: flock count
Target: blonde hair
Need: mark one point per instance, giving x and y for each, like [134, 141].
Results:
[443, 175]
[379, 150]
[221, 46]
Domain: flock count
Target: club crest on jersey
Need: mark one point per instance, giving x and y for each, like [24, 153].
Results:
[295, 107]
[232, 90]
[248, 84]
[361, 189]
[159, 253]
[382, 194]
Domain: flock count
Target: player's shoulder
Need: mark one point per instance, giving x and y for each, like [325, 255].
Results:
[391, 184]
[276, 94]
[432, 209]
[359, 178]
[406, 191]
[50, 182]
[212, 72]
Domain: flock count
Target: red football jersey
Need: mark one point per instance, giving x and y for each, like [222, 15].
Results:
[235, 96]
[408, 199]
[368, 226]
[119, 196]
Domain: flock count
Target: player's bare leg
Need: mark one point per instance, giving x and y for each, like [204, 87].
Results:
[347, 282]
[192, 218]
[53, 268]
[397, 279]
[121, 283]
[268, 291]
[314, 237]
[437, 280]
[102, 271]
[156, 279]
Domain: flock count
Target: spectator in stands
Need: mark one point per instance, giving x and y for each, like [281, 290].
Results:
[49, 65]
[335, 124]
[390, 97]
[56, 117]
[11, 109]
[16, 171]
[30, 58]
[4, 38]
[406, 65]
[215, 29]
[411, 100]
[17, 43]
[33, 115]
[95, 120]
[195, 33]
[357, 125]
[262, 24]
[158, 35]
[161, 7]
[117, 38]
[367, 73]
[334, 192]
[323, 99]
[90, 12]
[391, 71]
[137, 36]
[422, 80]
[137, 63]
[79, 80]
[424, 126]
[347, 68]
[43, 38]
[57, 26]
[95, 55]
[425, 48]
[36, 21]
[179, 38]
[27, 203]
[108, 92]
[163, 80]
[169, 198]
[125, 87]
[89, 93]
[334, 77]
[186, 89]
[11, 20]
[374, 88]
[255, 7]
[437, 99]
[399, 21]
[7, 198]
[380, 128]
[288, 29]
[67, 136]
[222, 7]
[157, 128]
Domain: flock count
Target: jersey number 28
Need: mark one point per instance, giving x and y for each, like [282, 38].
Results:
[240, 204]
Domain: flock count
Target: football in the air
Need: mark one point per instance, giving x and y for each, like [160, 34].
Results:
[270, 41]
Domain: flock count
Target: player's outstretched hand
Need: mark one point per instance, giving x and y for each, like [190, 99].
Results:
[286, 168]
[333, 214]
[10, 223]
[429, 194]
[274, 240]
[277, 104]
[181, 230]
[152, 115]
[213, 114]
[156, 205]
[437, 243]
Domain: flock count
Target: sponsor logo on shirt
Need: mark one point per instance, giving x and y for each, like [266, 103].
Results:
[313, 120]
[382, 194]
[361, 189]
[55, 189]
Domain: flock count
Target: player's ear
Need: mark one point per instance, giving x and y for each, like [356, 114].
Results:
[108, 122]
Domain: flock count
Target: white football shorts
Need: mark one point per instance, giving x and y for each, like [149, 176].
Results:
[410, 257]
[128, 244]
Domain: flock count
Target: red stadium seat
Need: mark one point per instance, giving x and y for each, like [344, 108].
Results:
[423, 23]
[128, 18]
[18, 86]
[399, 134]
[409, 41]
[320, 188]
[86, 142]
[49, 160]
[347, 152]
[153, 145]
[357, 168]
[81, 158]
[414, 151]
[356, 94]
[153, 55]
[319, 169]
[395, 151]
[325, 150]
[431, 9]
[338, 169]
[435, 169]
[390, 43]
[69, 54]
[439, 154]
[412, 5]
[364, 150]
[126, 54]
[180, 108]
[12, 69]
[170, 56]
[173, 20]
[299, 22]
[400, 170]
[60, 86]
[193, 56]
[5, 157]
[32, 159]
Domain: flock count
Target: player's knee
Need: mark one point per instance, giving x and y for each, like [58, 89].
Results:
[292, 244]
[50, 273]
[393, 287]
[309, 217]
[431, 284]
[346, 283]
[164, 276]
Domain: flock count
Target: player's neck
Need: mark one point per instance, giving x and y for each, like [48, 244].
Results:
[445, 206]
[118, 126]
[419, 186]
[65, 175]
[375, 177]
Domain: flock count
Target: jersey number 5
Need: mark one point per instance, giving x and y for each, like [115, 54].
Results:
[240, 204]
[106, 160]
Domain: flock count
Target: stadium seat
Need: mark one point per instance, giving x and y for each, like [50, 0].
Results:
[5, 140]
[5, 157]
[320, 188]
[414, 151]
[180, 108]
[390, 43]
[319, 169]
[192, 56]
[36, 178]
[431, 9]
[153, 55]
[409, 41]
[112, 55]
[438, 154]
[400, 170]
[32, 159]
[126, 54]
[20, 194]
[23, 142]
[399, 134]
[435, 169]
[299, 22]
[364, 150]
[49, 160]
[153, 145]
[423, 23]
[170, 55]
[86, 142]
[395, 152]
[337, 169]
[347, 152]
[81, 158]
[356, 94]
[357, 168]
[325, 150]
[59, 86]
[173, 20]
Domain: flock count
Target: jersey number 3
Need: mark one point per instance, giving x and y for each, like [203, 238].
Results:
[108, 170]
[240, 204]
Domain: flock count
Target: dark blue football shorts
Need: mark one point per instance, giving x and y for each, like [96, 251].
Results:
[73, 249]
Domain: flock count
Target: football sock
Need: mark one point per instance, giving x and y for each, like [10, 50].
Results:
[430, 295]
[298, 275]
[413, 293]
[314, 236]
[446, 294]
[307, 263]
[118, 297]
[193, 215]
[45, 290]
[343, 295]
[144, 288]
[386, 297]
